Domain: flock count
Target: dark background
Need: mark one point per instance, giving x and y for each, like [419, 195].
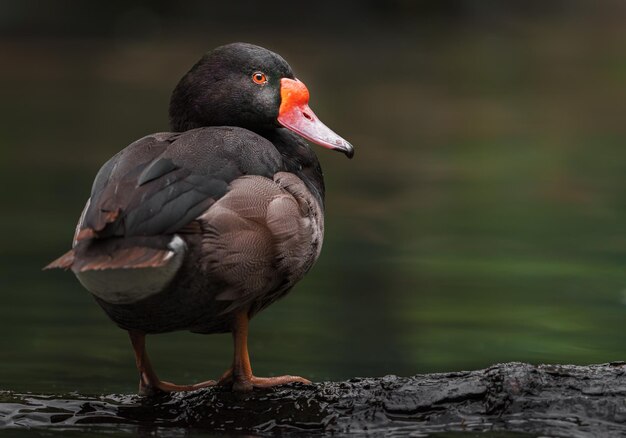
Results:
[481, 220]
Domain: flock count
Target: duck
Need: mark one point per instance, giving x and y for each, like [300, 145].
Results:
[200, 228]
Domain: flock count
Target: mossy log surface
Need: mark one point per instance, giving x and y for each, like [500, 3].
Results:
[546, 400]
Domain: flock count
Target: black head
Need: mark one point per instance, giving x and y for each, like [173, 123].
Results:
[220, 90]
[251, 87]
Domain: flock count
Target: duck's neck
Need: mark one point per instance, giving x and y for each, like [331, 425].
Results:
[299, 159]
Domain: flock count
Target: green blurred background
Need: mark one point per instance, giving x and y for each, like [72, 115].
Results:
[481, 220]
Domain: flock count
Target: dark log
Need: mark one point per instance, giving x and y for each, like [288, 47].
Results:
[548, 400]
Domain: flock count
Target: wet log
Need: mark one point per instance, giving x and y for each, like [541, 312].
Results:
[548, 400]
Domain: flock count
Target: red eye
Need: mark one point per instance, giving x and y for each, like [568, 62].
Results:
[259, 78]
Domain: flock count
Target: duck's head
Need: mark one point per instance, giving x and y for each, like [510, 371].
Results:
[248, 86]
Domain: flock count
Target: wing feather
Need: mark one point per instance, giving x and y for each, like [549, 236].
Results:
[162, 182]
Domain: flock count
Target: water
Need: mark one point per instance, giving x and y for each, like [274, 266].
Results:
[481, 220]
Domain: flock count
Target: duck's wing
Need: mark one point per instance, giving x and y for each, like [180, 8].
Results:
[162, 182]
[159, 184]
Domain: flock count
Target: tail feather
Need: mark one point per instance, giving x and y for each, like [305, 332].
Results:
[119, 253]
[64, 262]
[127, 258]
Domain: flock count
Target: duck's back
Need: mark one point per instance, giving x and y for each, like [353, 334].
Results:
[161, 182]
[181, 229]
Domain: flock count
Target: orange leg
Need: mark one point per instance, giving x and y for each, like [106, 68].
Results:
[240, 374]
[149, 383]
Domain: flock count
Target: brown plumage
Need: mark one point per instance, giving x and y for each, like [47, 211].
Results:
[200, 230]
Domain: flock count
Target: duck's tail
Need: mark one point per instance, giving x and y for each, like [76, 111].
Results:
[64, 262]
[97, 255]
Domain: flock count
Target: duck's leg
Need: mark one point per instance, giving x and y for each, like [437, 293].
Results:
[241, 372]
[149, 383]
